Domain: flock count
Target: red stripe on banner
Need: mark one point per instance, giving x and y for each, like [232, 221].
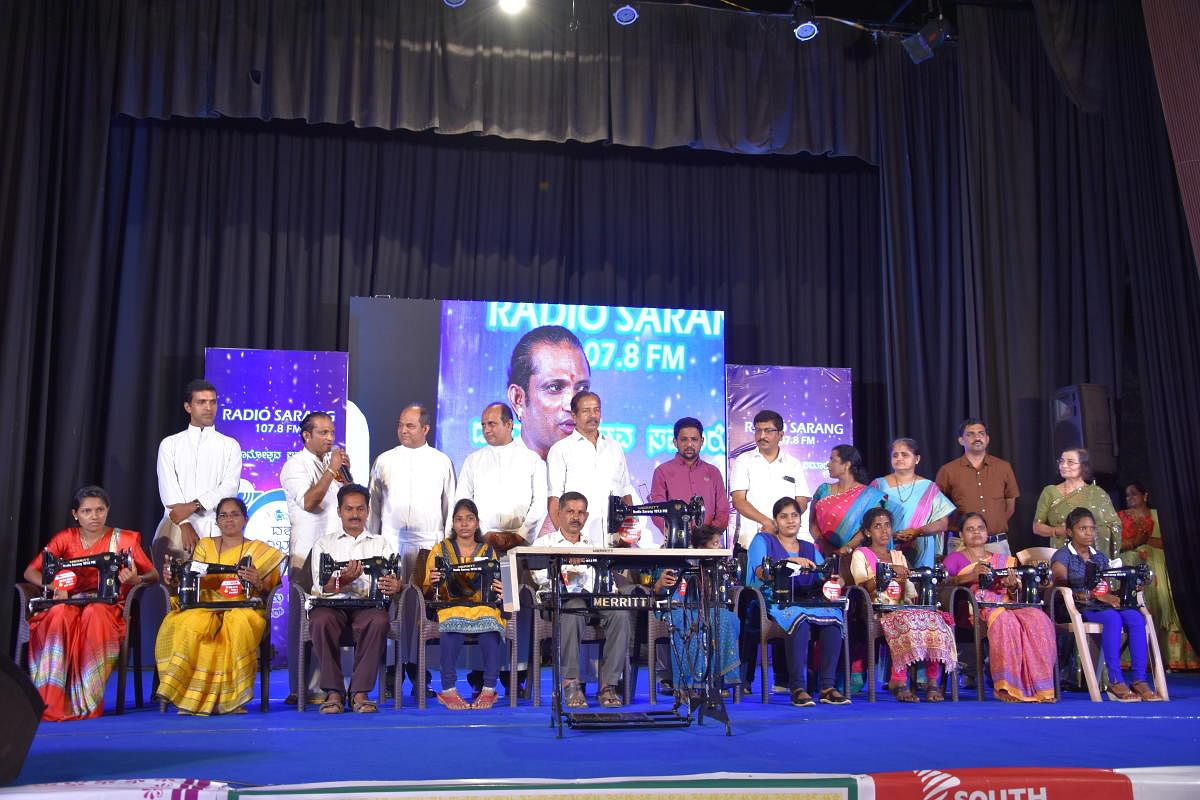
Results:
[1003, 783]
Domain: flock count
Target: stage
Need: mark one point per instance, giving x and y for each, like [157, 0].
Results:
[285, 746]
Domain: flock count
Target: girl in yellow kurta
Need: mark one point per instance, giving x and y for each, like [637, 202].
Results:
[207, 657]
[456, 622]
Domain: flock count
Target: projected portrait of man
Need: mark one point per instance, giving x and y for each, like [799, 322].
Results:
[546, 370]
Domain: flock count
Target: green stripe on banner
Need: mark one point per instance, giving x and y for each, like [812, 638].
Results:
[832, 787]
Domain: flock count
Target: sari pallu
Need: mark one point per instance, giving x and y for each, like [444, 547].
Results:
[1022, 649]
[839, 516]
[73, 649]
[921, 504]
[208, 657]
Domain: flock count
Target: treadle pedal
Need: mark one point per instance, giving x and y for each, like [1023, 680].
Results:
[625, 720]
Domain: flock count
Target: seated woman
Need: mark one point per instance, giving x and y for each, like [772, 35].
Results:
[73, 648]
[913, 635]
[1021, 641]
[1068, 567]
[799, 622]
[687, 657]
[207, 657]
[456, 622]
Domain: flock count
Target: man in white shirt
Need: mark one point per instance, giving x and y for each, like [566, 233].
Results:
[590, 463]
[761, 476]
[573, 511]
[412, 491]
[197, 468]
[351, 543]
[310, 480]
[506, 480]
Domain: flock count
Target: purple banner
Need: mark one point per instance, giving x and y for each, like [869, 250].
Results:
[263, 396]
[815, 403]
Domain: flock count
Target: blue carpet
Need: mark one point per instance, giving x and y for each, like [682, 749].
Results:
[285, 746]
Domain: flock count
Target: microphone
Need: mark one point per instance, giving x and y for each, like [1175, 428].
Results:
[345, 472]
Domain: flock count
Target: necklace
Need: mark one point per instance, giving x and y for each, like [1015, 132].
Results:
[912, 487]
[221, 548]
[86, 545]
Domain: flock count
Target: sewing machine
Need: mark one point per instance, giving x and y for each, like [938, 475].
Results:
[925, 579]
[1129, 580]
[680, 517]
[374, 568]
[460, 581]
[781, 587]
[1033, 577]
[191, 571]
[107, 564]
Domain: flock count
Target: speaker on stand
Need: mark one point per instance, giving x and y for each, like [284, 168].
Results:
[1084, 416]
[23, 709]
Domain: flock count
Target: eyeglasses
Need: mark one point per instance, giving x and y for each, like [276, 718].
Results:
[758, 431]
[1068, 462]
[229, 515]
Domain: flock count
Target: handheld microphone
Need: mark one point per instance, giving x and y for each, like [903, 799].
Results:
[345, 472]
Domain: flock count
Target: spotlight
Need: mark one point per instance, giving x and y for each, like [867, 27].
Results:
[920, 45]
[626, 14]
[454, 3]
[512, 6]
[804, 21]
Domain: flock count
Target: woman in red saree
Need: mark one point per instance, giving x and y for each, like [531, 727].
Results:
[73, 648]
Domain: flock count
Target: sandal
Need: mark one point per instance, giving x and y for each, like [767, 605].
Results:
[573, 695]
[334, 704]
[801, 698]
[1145, 693]
[608, 697]
[1121, 693]
[934, 695]
[902, 693]
[361, 704]
[485, 699]
[833, 697]
[452, 700]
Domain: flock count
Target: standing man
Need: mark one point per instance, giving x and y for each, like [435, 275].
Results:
[685, 476]
[761, 476]
[615, 623]
[412, 490]
[197, 467]
[310, 480]
[507, 482]
[546, 370]
[590, 463]
[350, 543]
[982, 483]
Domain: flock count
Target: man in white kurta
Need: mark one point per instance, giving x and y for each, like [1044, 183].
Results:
[590, 463]
[197, 468]
[507, 482]
[310, 480]
[412, 490]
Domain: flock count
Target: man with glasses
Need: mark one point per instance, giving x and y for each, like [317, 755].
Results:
[761, 476]
[979, 482]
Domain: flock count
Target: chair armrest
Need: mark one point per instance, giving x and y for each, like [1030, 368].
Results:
[954, 596]
[136, 597]
[411, 602]
[26, 592]
[747, 595]
[1060, 594]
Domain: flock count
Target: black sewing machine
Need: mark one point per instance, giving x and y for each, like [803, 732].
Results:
[1033, 578]
[107, 564]
[374, 568]
[191, 571]
[781, 588]
[680, 517]
[460, 581]
[1128, 579]
[925, 579]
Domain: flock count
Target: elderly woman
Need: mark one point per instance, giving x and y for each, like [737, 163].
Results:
[73, 648]
[799, 623]
[1068, 567]
[920, 509]
[207, 657]
[468, 616]
[837, 506]
[913, 635]
[1141, 540]
[688, 657]
[1074, 491]
[1021, 641]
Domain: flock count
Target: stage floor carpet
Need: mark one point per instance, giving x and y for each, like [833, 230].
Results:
[285, 746]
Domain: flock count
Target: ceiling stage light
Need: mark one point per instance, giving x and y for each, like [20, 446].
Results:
[804, 21]
[512, 6]
[626, 14]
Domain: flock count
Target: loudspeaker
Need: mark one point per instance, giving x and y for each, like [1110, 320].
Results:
[1083, 416]
[23, 708]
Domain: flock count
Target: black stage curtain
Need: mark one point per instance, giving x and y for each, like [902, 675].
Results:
[993, 257]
